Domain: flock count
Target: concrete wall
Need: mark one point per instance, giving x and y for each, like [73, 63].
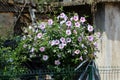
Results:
[6, 24]
[108, 21]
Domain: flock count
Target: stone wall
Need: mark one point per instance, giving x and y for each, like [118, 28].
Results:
[6, 24]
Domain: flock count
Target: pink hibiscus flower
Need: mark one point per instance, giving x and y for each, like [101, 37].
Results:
[69, 23]
[39, 35]
[45, 57]
[82, 19]
[42, 49]
[50, 22]
[68, 32]
[76, 17]
[90, 28]
[77, 51]
[57, 62]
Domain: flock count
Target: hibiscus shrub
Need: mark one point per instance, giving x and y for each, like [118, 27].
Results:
[59, 43]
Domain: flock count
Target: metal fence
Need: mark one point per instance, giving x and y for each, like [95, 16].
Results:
[109, 73]
[68, 74]
[106, 73]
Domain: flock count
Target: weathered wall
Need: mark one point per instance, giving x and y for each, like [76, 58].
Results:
[6, 24]
[80, 2]
[108, 20]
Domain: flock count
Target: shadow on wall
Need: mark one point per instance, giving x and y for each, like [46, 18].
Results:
[82, 10]
[107, 19]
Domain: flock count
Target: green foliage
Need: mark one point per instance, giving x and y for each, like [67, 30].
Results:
[10, 62]
[44, 41]
[62, 42]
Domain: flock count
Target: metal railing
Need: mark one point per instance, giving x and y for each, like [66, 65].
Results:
[106, 73]
[110, 73]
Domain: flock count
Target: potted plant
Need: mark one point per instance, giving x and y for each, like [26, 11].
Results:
[61, 42]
